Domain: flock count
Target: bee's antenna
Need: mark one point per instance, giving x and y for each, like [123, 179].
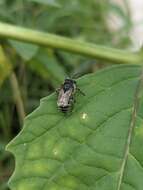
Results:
[75, 75]
[67, 77]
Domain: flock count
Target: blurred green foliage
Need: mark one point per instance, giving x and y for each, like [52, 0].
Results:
[39, 70]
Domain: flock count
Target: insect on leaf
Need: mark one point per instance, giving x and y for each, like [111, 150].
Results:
[98, 146]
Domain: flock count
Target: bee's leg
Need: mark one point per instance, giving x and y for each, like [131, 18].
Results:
[71, 103]
[57, 90]
[81, 91]
[71, 100]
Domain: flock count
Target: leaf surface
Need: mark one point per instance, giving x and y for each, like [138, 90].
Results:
[46, 64]
[97, 146]
[25, 50]
[47, 2]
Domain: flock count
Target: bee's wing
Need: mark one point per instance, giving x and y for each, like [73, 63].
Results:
[63, 98]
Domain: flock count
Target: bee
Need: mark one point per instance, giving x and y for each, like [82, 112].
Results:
[66, 95]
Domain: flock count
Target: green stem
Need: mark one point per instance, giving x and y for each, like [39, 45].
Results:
[67, 44]
[17, 97]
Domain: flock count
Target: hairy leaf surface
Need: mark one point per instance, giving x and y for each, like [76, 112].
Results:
[96, 147]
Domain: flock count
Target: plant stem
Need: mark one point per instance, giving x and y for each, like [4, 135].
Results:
[70, 45]
[17, 97]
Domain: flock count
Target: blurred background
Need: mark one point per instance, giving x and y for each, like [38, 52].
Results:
[29, 72]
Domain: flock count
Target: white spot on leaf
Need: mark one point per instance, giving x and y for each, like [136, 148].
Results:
[84, 115]
[55, 151]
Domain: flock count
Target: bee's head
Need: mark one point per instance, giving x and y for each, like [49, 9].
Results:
[69, 84]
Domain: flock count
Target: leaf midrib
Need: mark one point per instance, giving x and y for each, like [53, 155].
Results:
[130, 132]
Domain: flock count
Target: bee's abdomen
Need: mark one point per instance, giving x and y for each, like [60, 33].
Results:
[64, 109]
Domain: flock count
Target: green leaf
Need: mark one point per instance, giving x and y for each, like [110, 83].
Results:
[122, 14]
[47, 2]
[25, 50]
[1, 2]
[5, 66]
[96, 147]
[47, 66]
